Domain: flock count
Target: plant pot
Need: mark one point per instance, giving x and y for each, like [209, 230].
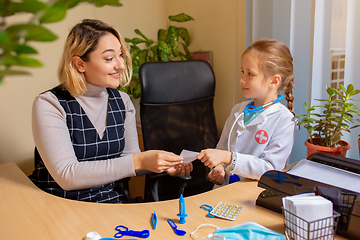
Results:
[338, 151]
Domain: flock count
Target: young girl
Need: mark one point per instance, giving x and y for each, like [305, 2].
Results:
[84, 129]
[259, 134]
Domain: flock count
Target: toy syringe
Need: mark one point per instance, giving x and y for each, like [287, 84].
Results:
[182, 213]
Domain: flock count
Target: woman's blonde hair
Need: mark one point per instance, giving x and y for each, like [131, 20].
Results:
[81, 41]
[274, 57]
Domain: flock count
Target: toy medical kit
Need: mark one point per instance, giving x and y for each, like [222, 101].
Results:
[207, 208]
[223, 210]
[122, 231]
[177, 231]
[182, 213]
[154, 220]
[251, 108]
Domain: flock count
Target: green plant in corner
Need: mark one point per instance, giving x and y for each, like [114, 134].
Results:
[15, 50]
[165, 49]
[338, 115]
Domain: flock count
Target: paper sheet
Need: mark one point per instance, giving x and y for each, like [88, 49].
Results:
[327, 174]
[310, 209]
[188, 156]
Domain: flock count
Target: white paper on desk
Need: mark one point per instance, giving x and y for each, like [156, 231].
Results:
[188, 156]
[309, 208]
[327, 174]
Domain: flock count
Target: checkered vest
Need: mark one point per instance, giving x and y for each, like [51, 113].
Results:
[88, 147]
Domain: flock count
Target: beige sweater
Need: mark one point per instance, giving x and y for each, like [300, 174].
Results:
[52, 140]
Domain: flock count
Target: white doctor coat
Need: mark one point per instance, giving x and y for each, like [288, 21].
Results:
[264, 144]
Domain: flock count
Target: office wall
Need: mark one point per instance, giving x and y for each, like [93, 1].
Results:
[218, 26]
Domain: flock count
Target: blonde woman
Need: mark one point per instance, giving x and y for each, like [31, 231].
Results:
[84, 129]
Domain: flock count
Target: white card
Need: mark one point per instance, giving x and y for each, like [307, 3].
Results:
[188, 156]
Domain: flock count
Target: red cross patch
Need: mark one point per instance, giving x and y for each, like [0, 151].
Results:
[261, 137]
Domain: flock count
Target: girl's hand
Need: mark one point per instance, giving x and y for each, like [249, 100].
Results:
[155, 161]
[217, 175]
[214, 157]
[180, 170]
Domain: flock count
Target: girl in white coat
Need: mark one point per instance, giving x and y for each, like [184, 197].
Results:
[259, 134]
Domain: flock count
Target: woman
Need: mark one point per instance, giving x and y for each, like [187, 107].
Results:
[84, 129]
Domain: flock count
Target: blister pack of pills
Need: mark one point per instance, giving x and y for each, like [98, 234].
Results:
[226, 211]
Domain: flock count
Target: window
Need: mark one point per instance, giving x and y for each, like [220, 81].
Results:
[338, 43]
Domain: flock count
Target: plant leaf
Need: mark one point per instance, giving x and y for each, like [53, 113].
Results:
[309, 128]
[23, 48]
[55, 13]
[154, 50]
[138, 32]
[356, 91]
[330, 91]
[137, 91]
[336, 138]
[30, 32]
[28, 6]
[4, 38]
[71, 3]
[22, 61]
[13, 72]
[143, 56]
[184, 34]
[163, 57]
[183, 56]
[162, 35]
[182, 17]
[173, 40]
[350, 88]
[135, 41]
[188, 54]
[163, 47]
[101, 3]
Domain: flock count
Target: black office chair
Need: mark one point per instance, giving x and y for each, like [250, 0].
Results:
[176, 111]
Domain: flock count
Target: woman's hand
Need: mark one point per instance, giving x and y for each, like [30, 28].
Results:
[217, 174]
[156, 161]
[180, 170]
[214, 157]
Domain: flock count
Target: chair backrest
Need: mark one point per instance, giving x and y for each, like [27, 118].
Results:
[176, 111]
[176, 106]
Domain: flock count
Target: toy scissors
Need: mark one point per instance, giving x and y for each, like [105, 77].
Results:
[126, 231]
[207, 208]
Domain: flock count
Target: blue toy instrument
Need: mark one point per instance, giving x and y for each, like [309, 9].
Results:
[122, 231]
[182, 213]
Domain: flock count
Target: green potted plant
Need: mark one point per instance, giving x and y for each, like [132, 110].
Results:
[16, 51]
[338, 114]
[165, 49]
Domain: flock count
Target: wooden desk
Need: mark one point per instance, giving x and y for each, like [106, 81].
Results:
[28, 213]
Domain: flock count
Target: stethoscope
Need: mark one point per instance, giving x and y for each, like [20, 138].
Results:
[250, 109]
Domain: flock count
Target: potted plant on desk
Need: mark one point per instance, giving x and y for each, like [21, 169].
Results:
[339, 114]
